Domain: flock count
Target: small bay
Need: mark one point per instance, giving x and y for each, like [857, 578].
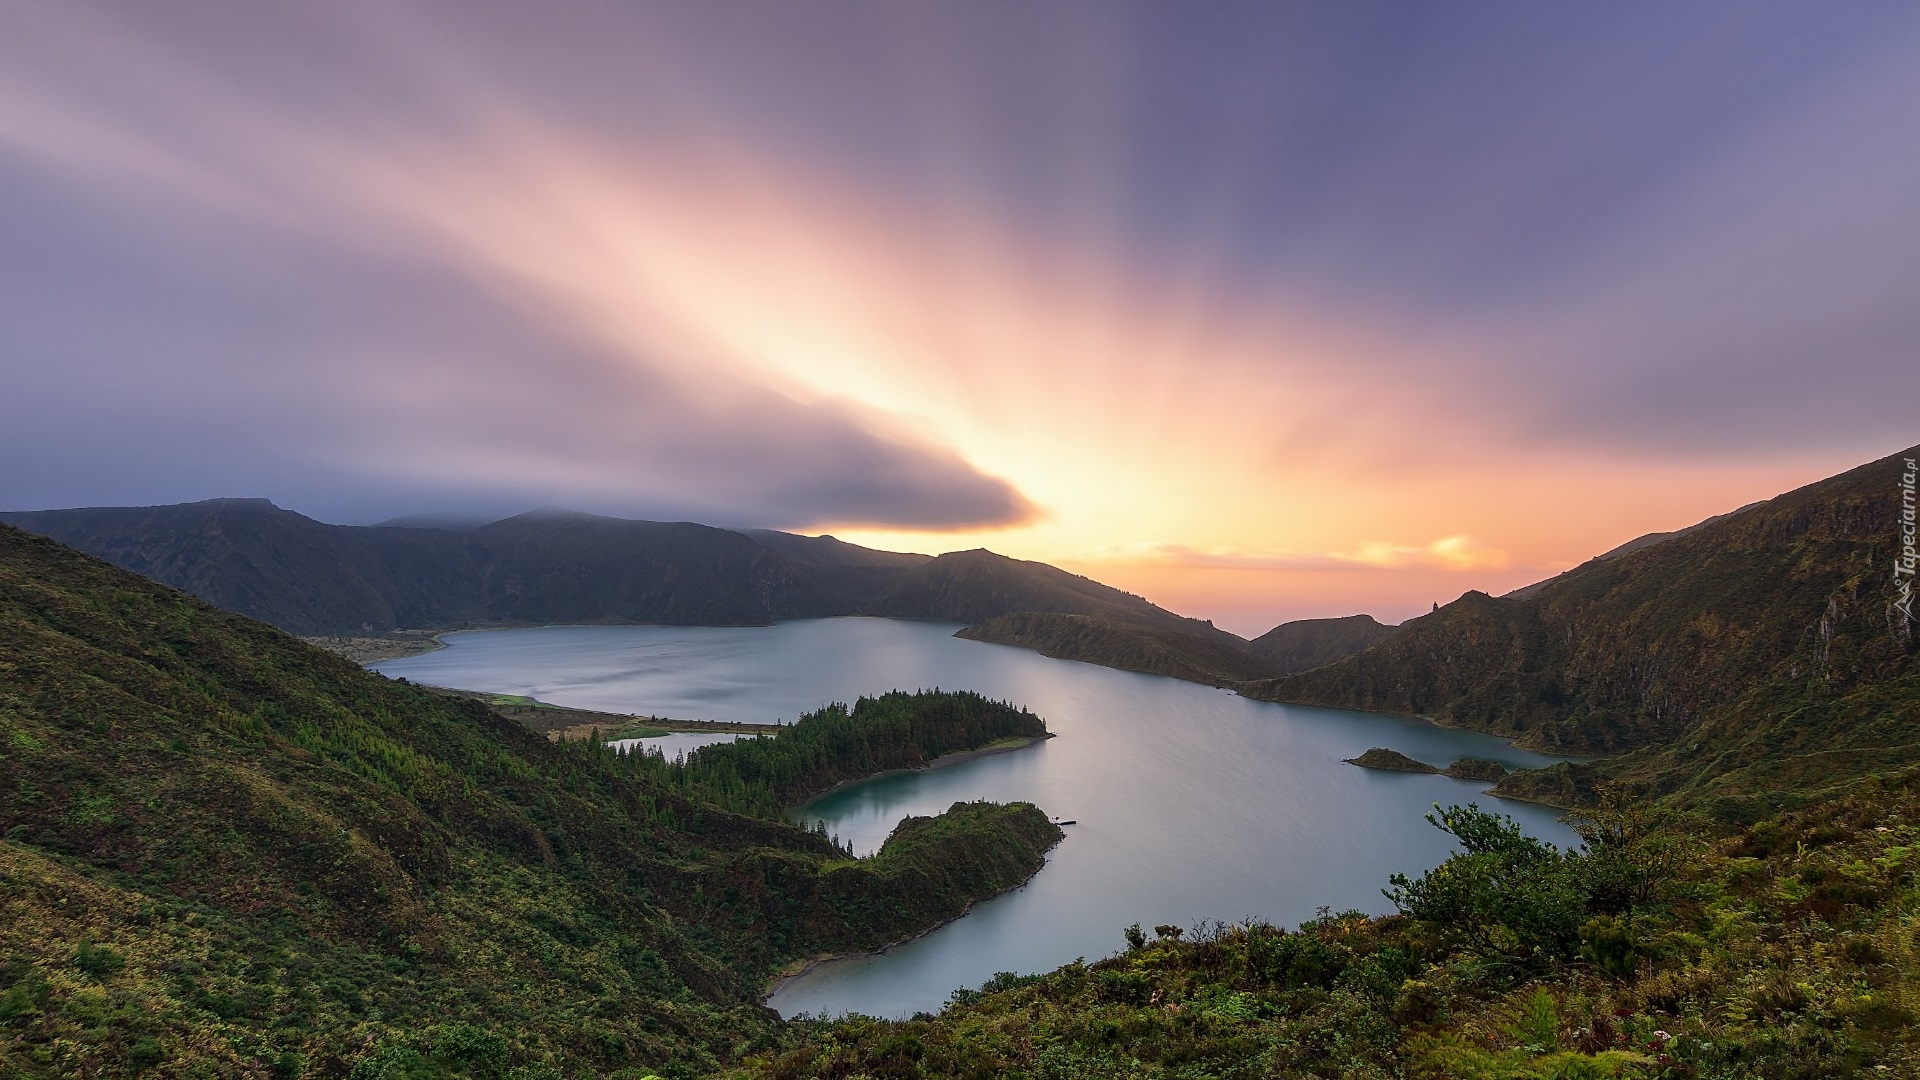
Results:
[1190, 803]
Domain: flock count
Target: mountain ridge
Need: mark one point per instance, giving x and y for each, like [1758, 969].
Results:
[312, 578]
[1773, 622]
[1172, 653]
[1645, 540]
[1304, 644]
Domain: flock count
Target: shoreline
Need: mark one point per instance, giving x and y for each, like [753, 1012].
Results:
[1530, 801]
[558, 722]
[958, 757]
[789, 973]
[397, 644]
[374, 648]
[399, 639]
[1517, 742]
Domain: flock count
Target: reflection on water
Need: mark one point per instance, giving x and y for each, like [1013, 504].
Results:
[672, 745]
[1191, 804]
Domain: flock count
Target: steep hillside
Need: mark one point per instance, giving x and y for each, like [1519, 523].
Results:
[1780, 610]
[1778, 746]
[1643, 541]
[1116, 645]
[249, 556]
[252, 557]
[1308, 643]
[551, 567]
[973, 586]
[844, 577]
[228, 853]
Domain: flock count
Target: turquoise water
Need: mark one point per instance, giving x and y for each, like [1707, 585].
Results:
[1191, 804]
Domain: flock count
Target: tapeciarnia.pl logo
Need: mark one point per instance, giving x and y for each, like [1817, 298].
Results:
[1903, 563]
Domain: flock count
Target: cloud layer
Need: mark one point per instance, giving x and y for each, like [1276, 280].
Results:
[204, 298]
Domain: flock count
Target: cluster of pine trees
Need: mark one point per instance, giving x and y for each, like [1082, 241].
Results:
[898, 730]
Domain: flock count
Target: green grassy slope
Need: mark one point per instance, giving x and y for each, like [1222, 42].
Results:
[1773, 748]
[292, 863]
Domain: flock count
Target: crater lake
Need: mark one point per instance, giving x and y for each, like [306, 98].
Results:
[1190, 804]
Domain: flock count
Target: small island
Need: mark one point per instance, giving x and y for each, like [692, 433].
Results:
[1379, 757]
[1473, 768]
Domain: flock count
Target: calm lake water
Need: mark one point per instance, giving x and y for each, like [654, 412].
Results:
[1190, 803]
[672, 746]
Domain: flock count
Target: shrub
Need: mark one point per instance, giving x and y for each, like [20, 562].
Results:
[1609, 945]
[98, 961]
[1506, 892]
[145, 1054]
[1417, 1003]
[1535, 1021]
[1777, 994]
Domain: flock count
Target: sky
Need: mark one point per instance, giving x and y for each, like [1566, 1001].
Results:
[1261, 310]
